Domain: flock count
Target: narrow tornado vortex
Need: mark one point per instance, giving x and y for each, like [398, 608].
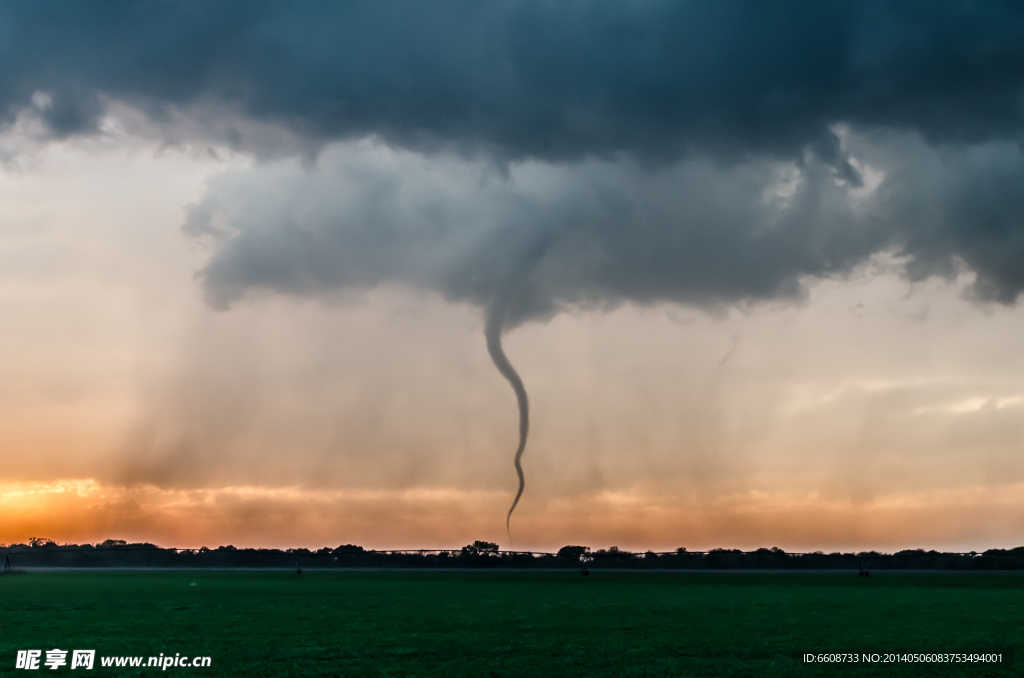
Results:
[492, 331]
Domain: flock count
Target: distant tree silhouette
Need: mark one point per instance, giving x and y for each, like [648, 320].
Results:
[43, 552]
[480, 548]
[348, 549]
[573, 552]
[612, 551]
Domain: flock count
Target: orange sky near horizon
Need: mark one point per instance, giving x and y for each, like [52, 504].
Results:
[969, 519]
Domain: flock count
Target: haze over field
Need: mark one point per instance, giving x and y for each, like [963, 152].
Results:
[758, 267]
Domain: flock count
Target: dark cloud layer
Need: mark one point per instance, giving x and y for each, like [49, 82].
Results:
[583, 234]
[602, 232]
[638, 145]
[551, 80]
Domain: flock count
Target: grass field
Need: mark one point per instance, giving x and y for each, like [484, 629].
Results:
[512, 623]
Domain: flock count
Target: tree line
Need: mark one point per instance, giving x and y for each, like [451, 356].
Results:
[41, 552]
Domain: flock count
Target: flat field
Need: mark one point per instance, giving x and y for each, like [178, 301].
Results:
[513, 623]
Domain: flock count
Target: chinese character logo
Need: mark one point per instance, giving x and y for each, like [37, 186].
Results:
[55, 658]
[28, 659]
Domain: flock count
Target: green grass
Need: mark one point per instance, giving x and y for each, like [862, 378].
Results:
[511, 623]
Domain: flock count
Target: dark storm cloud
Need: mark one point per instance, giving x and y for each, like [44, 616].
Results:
[602, 232]
[545, 235]
[551, 80]
[976, 217]
[661, 124]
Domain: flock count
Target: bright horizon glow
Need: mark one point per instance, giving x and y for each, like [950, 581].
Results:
[294, 517]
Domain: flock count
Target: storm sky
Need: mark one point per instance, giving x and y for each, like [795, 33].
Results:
[761, 264]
